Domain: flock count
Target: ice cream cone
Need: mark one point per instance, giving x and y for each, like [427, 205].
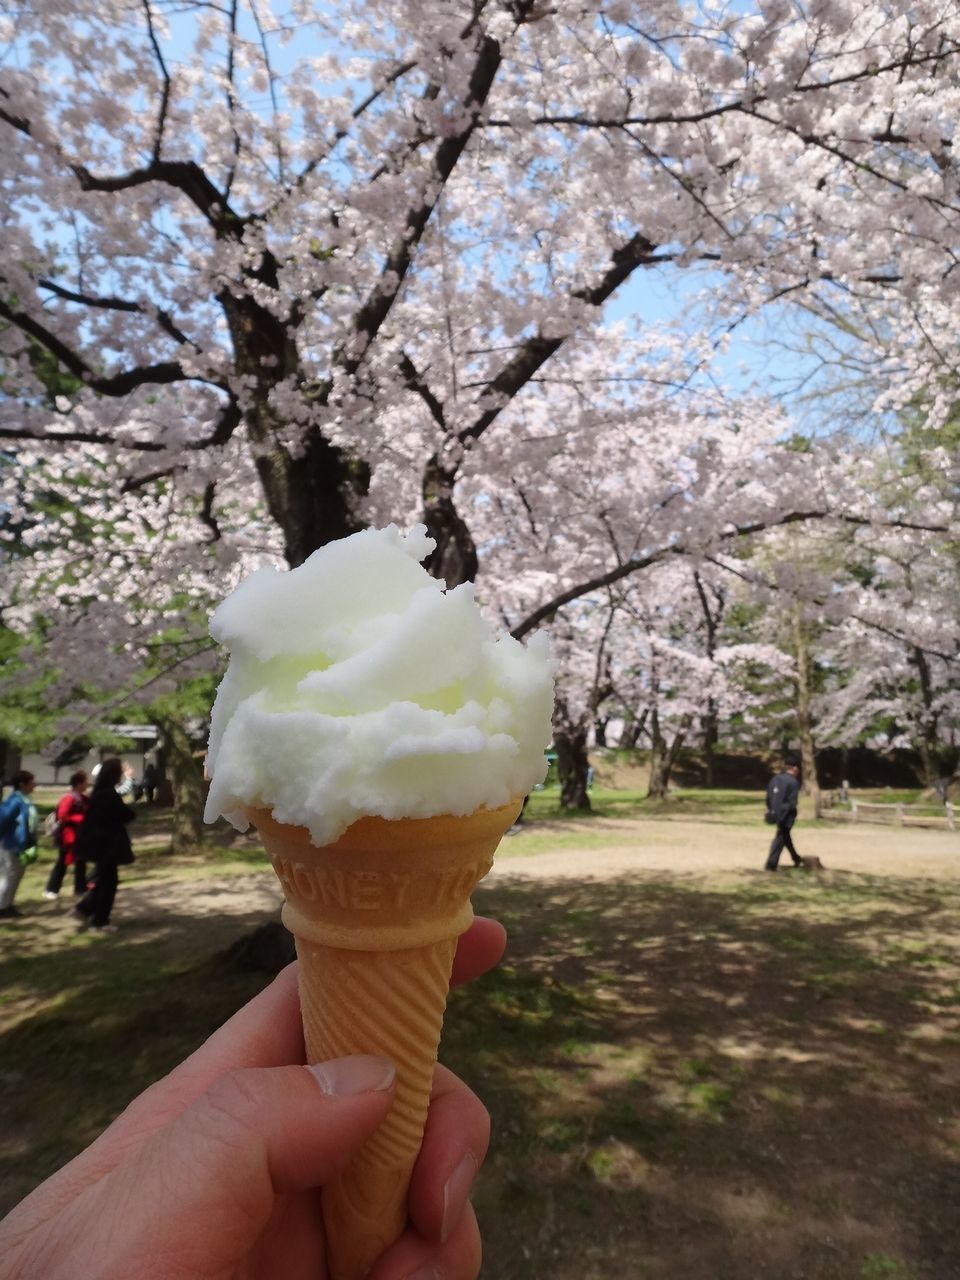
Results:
[376, 916]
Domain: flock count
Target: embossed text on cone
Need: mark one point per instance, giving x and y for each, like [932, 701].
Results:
[376, 916]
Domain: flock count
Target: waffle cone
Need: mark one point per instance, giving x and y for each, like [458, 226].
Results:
[376, 916]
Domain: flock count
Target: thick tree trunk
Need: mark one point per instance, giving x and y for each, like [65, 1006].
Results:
[570, 744]
[185, 771]
[454, 559]
[314, 496]
[808, 751]
[312, 488]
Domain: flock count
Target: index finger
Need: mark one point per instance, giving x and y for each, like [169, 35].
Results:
[478, 950]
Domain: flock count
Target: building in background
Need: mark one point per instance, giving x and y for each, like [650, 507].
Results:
[52, 769]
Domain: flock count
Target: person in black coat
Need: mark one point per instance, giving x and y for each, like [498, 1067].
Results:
[104, 838]
[782, 794]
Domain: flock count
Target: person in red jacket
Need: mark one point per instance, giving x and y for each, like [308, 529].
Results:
[71, 811]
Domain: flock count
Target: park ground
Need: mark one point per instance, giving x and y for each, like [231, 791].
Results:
[696, 1071]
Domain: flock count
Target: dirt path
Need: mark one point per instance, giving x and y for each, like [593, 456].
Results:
[149, 906]
[148, 903]
[698, 848]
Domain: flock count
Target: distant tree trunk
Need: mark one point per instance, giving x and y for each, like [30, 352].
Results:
[570, 744]
[928, 742]
[633, 727]
[663, 756]
[185, 773]
[808, 751]
[600, 731]
[713, 611]
[657, 786]
[710, 728]
[9, 761]
[928, 775]
[164, 793]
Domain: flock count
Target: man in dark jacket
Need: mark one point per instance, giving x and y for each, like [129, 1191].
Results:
[782, 793]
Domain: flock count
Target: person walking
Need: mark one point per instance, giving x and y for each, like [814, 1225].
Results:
[782, 794]
[71, 811]
[150, 781]
[18, 840]
[104, 838]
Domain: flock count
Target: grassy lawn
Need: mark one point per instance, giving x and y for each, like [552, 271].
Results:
[711, 1077]
[758, 1080]
[717, 806]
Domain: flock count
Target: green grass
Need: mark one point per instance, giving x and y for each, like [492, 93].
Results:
[880, 1266]
[714, 805]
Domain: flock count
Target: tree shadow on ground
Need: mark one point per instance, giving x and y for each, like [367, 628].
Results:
[754, 1082]
[99, 1019]
[757, 1079]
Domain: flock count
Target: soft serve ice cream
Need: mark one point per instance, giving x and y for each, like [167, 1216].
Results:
[380, 736]
[358, 685]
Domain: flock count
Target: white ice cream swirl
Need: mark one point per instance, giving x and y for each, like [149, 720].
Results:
[358, 685]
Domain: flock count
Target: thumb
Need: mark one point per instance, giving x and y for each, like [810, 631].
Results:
[211, 1176]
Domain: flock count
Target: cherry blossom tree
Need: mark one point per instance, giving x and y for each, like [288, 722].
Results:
[867, 611]
[674, 674]
[111, 597]
[894, 658]
[299, 266]
[394, 231]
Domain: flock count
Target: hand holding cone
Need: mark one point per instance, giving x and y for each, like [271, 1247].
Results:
[376, 916]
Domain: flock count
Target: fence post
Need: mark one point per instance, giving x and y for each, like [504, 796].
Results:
[951, 820]
[853, 811]
[898, 816]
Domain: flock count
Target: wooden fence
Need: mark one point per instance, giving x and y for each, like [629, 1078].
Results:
[896, 815]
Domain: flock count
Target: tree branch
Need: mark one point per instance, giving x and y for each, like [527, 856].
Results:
[232, 97]
[536, 350]
[206, 512]
[533, 620]
[578, 120]
[108, 303]
[229, 419]
[165, 76]
[80, 437]
[414, 380]
[907, 641]
[185, 175]
[119, 384]
[20, 123]
[374, 311]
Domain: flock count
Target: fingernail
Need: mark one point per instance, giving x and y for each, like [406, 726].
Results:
[456, 1193]
[361, 1073]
